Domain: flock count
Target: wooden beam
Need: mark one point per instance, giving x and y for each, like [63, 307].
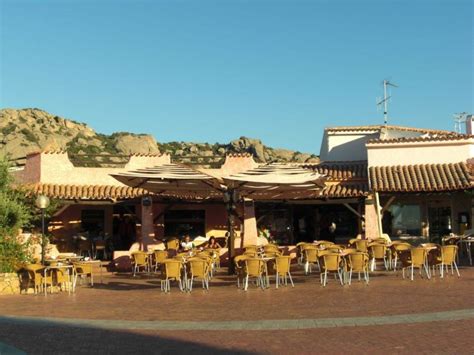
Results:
[353, 210]
[166, 209]
[388, 204]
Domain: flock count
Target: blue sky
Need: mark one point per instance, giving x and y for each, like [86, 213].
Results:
[215, 70]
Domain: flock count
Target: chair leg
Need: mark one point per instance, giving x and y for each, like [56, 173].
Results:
[427, 271]
[457, 270]
[339, 273]
[412, 272]
[277, 280]
[291, 280]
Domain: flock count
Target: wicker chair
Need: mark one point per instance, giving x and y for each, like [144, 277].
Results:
[159, 257]
[310, 257]
[251, 248]
[395, 250]
[271, 248]
[323, 244]
[172, 244]
[239, 262]
[83, 270]
[448, 258]
[330, 262]
[358, 262]
[361, 245]
[254, 268]
[64, 279]
[414, 258]
[299, 251]
[282, 266]
[378, 251]
[172, 270]
[140, 260]
[198, 268]
[36, 277]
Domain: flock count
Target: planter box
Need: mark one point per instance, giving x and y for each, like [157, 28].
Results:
[9, 284]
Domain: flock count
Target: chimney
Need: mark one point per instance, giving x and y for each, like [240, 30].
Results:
[469, 124]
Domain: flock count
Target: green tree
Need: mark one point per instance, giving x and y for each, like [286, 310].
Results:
[14, 214]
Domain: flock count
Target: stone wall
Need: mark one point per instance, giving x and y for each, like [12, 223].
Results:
[9, 284]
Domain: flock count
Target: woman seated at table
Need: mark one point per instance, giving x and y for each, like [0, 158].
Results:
[212, 243]
[187, 244]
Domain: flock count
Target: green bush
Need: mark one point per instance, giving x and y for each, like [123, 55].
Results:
[13, 216]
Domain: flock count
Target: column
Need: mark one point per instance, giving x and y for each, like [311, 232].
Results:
[147, 229]
[371, 218]
[250, 224]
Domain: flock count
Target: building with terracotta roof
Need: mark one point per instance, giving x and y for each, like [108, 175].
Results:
[378, 179]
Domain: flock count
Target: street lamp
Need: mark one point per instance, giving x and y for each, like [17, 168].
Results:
[42, 202]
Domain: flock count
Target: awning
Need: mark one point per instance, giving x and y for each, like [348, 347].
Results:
[170, 179]
[276, 181]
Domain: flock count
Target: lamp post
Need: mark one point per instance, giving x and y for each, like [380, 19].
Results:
[42, 202]
[231, 197]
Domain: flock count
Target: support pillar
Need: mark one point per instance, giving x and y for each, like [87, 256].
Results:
[371, 218]
[147, 229]
[250, 224]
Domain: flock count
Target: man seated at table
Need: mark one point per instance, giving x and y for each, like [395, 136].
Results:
[187, 244]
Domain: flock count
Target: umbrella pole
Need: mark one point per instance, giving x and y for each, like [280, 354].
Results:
[231, 240]
[230, 200]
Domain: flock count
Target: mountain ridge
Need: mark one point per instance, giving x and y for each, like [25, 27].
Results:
[23, 131]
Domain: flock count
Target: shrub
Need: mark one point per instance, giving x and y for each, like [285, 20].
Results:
[13, 215]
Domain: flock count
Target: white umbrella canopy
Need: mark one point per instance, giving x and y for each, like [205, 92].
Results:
[272, 181]
[276, 181]
[171, 179]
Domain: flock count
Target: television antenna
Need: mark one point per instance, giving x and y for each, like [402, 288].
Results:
[385, 99]
[459, 121]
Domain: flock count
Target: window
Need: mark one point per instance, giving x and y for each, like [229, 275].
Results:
[404, 219]
[181, 222]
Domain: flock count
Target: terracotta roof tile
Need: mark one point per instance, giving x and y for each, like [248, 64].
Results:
[350, 178]
[239, 155]
[344, 190]
[377, 128]
[340, 171]
[425, 177]
[429, 138]
[86, 192]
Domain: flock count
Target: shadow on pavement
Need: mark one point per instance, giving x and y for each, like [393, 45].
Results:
[51, 338]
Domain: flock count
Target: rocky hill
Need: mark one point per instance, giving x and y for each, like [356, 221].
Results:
[23, 131]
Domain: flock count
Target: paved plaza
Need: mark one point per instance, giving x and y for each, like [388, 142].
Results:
[128, 315]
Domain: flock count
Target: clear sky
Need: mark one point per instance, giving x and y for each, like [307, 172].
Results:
[200, 70]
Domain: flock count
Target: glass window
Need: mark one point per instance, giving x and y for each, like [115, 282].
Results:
[404, 219]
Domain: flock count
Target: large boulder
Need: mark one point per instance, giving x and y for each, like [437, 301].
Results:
[136, 144]
[250, 145]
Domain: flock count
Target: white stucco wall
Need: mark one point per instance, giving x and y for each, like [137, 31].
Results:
[345, 146]
[56, 168]
[420, 153]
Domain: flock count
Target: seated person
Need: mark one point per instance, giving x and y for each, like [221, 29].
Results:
[187, 244]
[212, 244]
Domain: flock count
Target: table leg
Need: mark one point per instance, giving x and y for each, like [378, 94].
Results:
[469, 253]
[44, 281]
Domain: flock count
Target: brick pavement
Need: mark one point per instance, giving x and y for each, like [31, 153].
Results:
[124, 299]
